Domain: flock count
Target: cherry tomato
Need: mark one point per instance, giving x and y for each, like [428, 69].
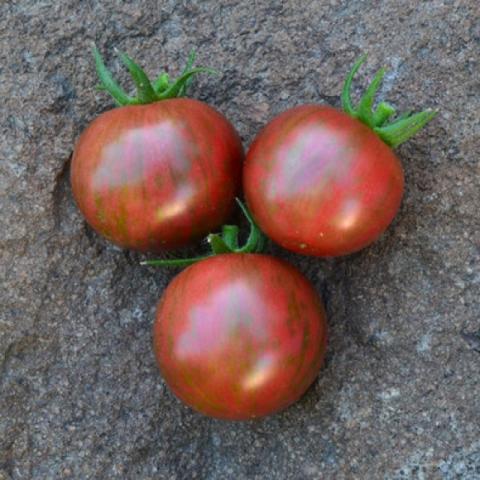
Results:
[157, 176]
[159, 171]
[239, 336]
[323, 182]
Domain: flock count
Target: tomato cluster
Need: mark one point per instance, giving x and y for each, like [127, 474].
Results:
[239, 334]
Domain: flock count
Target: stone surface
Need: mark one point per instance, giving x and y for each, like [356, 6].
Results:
[80, 395]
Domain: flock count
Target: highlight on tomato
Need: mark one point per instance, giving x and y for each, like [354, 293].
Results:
[161, 170]
[323, 182]
[239, 335]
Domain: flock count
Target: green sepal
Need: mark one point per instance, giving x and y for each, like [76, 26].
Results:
[401, 130]
[226, 242]
[230, 236]
[256, 239]
[145, 91]
[161, 89]
[188, 67]
[217, 244]
[397, 131]
[108, 83]
[174, 89]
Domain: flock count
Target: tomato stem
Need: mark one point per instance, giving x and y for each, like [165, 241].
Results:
[397, 131]
[161, 83]
[226, 242]
[175, 262]
[147, 92]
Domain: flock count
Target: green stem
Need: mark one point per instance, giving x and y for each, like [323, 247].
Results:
[161, 83]
[383, 112]
[227, 242]
[393, 133]
[175, 262]
[147, 92]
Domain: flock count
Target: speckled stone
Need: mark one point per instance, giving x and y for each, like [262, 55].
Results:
[399, 396]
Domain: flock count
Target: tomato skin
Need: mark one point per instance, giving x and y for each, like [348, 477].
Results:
[157, 176]
[321, 183]
[239, 336]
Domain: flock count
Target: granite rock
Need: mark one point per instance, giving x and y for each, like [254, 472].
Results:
[399, 396]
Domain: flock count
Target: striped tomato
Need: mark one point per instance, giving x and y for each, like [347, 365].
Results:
[323, 182]
[159, 172]
[239, 336]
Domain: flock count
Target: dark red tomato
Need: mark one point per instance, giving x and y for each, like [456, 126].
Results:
[239, 336]
[319, 182]
[157, 176]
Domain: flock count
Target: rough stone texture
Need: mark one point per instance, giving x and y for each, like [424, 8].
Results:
[80, 395]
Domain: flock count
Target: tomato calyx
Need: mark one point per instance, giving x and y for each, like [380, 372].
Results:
[225, 242]
[392, 132]
[147, 91]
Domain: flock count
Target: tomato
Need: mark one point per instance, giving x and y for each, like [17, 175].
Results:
[158, 172]
[157, 176]
[322, 182]
[239, 336]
